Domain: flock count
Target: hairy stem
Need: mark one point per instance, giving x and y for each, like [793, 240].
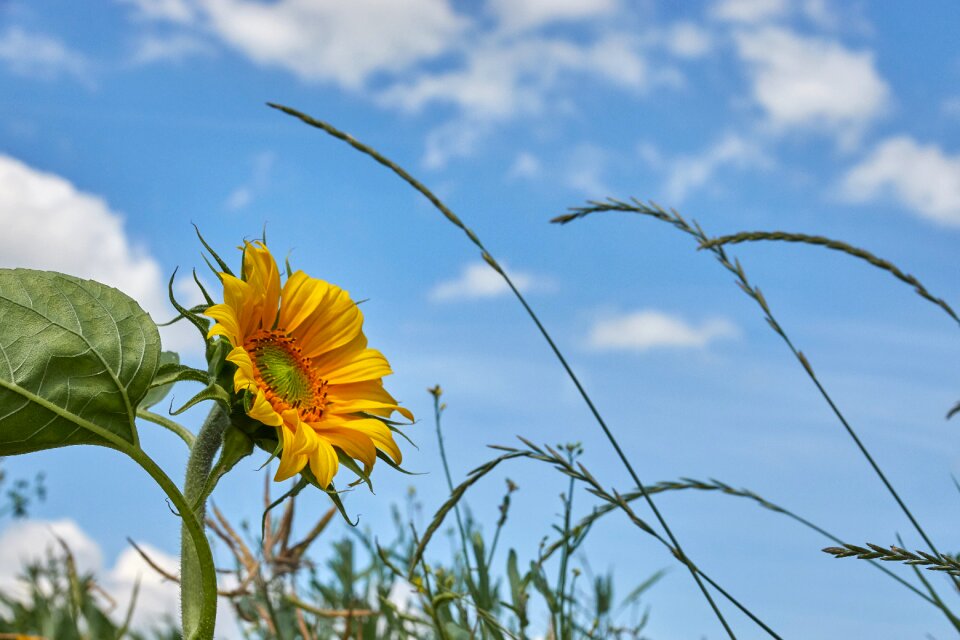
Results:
[192, 587]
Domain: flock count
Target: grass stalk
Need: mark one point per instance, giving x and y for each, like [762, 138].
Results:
[676, 220]
[454, 219]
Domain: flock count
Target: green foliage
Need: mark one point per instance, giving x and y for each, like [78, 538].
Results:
[76, 359]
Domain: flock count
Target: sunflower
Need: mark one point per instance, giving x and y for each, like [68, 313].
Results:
[303, 367]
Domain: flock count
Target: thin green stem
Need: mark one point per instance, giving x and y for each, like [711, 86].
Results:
[429, 195]
[437, 412]
[565, 555]
[168, 424]
[192, 589]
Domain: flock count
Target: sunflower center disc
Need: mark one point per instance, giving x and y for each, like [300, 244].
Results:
[288, 379]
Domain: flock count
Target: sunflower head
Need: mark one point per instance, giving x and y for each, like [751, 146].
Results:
[304, 368]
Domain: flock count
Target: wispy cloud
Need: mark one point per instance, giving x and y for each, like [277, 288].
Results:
[42, 56]
[478, 280]
[651, 329]
[922, 177]
[749, 11]
[525, 166]
[175, 47]
[686, 174]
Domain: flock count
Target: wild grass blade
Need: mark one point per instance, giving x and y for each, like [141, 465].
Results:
[488, 257]
[673, 218]
[836, 245]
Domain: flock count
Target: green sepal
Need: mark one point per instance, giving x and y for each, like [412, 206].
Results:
[157, 392]
[387, 459]
[201, 323]
[296, 489]
[172, 372]
[331, 491]
[223, 265]
[213, 392]
[203, 290]
[363, 474]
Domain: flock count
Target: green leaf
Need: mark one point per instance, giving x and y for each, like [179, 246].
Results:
[158, 392]
[76, 359]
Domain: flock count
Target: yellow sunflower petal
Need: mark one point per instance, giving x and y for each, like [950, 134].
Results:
[244, 377]
[290, 464]
[261, 273]
[324, 463]
[238, 295]
[355, 444]
[321, 315]
[382, 409]
[378, 432]
[226, 323]
[369, 364]
[263, 411]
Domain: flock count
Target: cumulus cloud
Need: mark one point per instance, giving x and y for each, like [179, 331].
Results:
[31, 541]
[689, 173]
[49, 224]
[342, 42]
[922, 177]
[526, 14]
[41, 56]
[812, 82]
[650, 329]
[478, 280]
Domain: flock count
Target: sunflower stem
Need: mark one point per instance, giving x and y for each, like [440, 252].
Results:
[192, 593]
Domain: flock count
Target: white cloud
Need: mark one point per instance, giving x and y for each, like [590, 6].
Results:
[688, 40]
[525, 166]
[526, 14]
[478, 280]
[748, 11]
[29, 541]
[49, 224]
[173, 48]
[343, 42]
[502, 78]
[688, 173]
[812, 82]
[650, 329]
[921, 177]
[41, 56]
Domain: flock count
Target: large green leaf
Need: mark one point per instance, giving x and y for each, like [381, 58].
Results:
[76, 358]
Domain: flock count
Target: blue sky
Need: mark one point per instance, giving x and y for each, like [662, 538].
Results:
[123, 122]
